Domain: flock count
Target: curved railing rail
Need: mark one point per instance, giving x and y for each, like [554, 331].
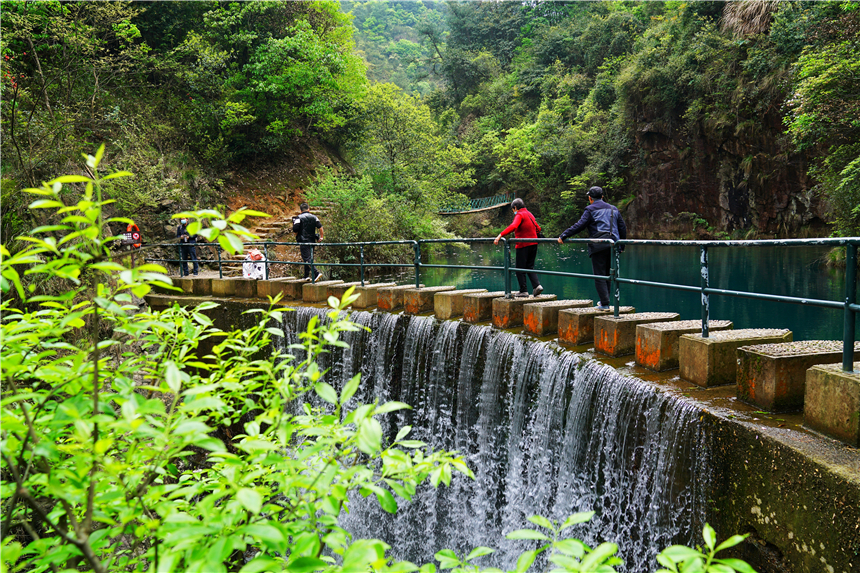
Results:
[478, 204]
[848, 305]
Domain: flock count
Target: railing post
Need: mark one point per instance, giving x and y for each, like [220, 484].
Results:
[614, 285]
[417, 247]
[706, 298]
[181, 267]
[313, 269]
[361, 262]
[266, 255]
[218, 252]
[507, 267]
[850, 298]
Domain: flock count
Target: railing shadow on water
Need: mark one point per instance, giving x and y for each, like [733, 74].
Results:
[848, 305]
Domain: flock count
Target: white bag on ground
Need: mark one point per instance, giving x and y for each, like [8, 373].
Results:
[254, 266]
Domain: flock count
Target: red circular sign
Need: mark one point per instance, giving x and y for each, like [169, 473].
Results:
[135, 236]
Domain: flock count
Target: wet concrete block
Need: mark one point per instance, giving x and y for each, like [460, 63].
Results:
[713, 361]
[478, 307]
[224, 287]
[508, 312]
[185, 283]
[832, 402]
[576, 325]
[541, 318]
[391, 298]
[773, 376]
[418, 300]
[318, 291]
[201, 286]
[338, 290]
[449, 304]
[292, 288]
[274, 287]
[245, 288]
[617, 336]
[367, 295]
[657, 343]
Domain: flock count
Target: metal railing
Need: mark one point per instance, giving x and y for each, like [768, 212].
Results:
[848, 305]
[479, 203]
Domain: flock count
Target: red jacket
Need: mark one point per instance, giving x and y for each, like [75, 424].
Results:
[525, 227]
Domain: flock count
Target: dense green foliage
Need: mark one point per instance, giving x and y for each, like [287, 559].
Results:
[155, 441]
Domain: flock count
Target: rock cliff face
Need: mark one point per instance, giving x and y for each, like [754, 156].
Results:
[703, 187]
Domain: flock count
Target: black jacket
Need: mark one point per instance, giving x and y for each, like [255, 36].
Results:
[602, 221]
[308, 231]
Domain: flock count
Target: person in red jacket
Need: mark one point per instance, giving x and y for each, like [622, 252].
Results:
[524, 227]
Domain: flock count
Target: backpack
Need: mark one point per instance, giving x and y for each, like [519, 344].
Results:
[297, 224]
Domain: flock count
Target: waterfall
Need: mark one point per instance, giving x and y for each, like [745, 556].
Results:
[545, 431]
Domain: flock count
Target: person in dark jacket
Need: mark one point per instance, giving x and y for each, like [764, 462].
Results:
[306, 232]
[524, 227]
[187, 247]
[603, 221]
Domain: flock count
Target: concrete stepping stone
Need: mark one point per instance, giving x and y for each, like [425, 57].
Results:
[391, 298]
[541, 318]
[318, 291]
[201, 286]
[832, 402]
[508, 312]
[713, 361]
[773, 376]
[367, 295]
[245, 288]
[185, 283]
[338, 290]
[449, 304]
[224, 287]
[292, 288]
[576, 325]
[478, 307]
[617, 336]
[657, 343]
[284, 286]
[418, 300]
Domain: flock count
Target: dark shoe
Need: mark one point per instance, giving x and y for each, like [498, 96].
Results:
[600, 306]
[318, 277]
[521, 294]
[537, 291]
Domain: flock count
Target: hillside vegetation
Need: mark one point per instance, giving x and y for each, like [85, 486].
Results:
[698, 118]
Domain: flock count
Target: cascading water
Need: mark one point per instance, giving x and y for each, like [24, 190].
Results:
[545, 432]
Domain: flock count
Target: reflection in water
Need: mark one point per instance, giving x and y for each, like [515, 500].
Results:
[795, 271]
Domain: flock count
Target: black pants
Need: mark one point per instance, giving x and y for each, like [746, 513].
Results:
[307, 251]
[600, 265]
[188, 252]
[526, 260]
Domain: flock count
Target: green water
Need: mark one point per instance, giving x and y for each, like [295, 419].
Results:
[795, 271]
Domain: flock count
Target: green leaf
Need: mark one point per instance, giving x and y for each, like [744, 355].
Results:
[306, 565]
[117, 174]
[386, 500]
[391, 407]
[526, 534]
[262, 563]
[525, 561]
[541, 521]
[737, 564]
[45, 204]
[731, 542]
[250, 500]
[350, 388]
[576, 518]
[172, 377]
[479, 552]
[70, 179]
[710, 536]
[369, 436]
[600, 554]
[326, 392]
[679, 553]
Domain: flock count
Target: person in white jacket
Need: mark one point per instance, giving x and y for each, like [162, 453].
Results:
[254, 266]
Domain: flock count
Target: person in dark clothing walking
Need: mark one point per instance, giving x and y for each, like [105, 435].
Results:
[187, 248]
[603, 221]
[305, 227]
[524, 227]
